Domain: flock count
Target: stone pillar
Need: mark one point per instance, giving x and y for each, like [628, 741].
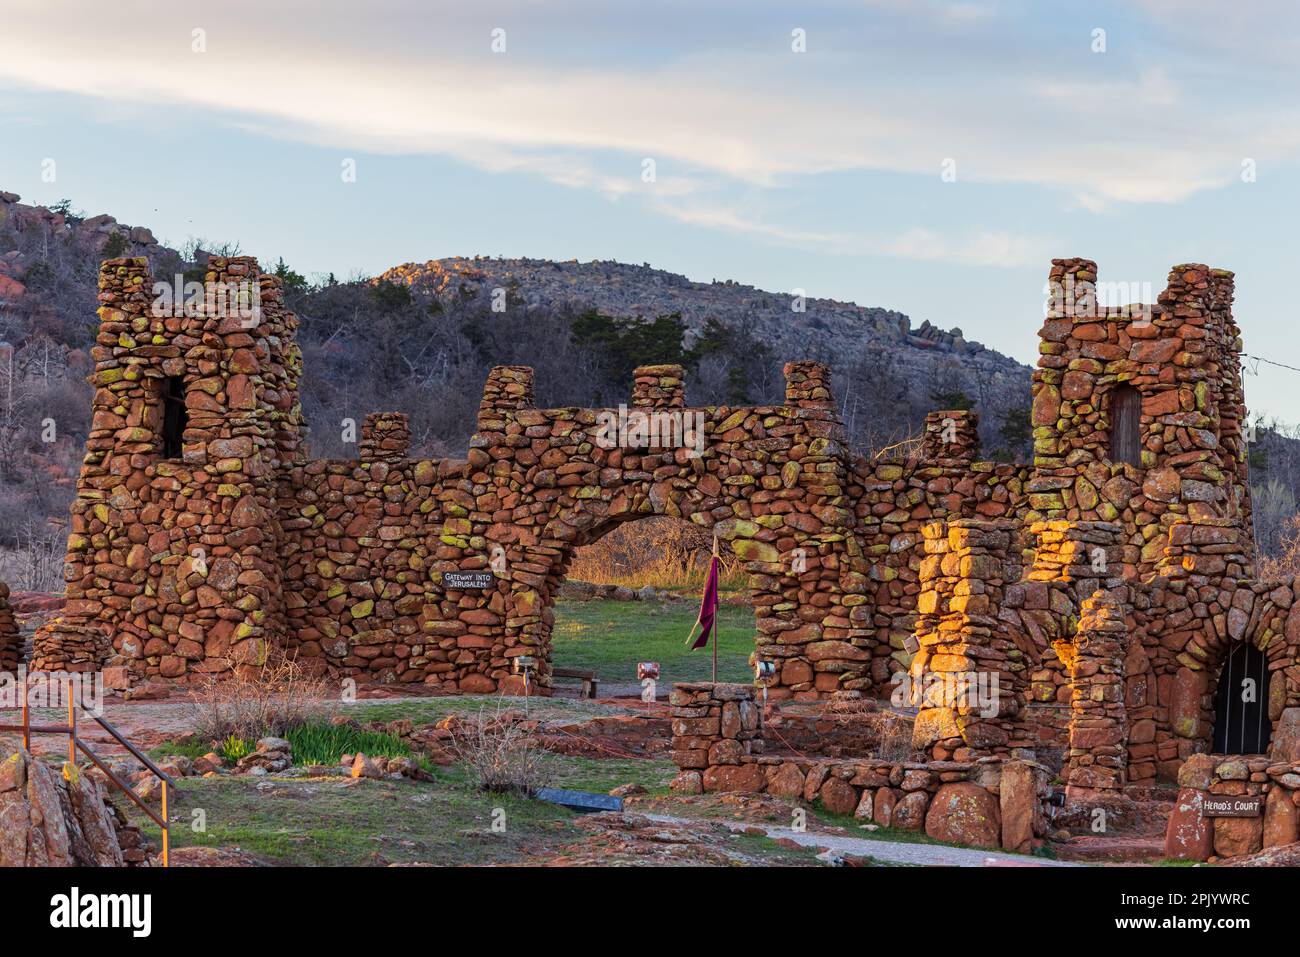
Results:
[280, 377]
[508, 389]
[385, 437]
[951, 435]
[1098, 759]
[967, 671]
[659, 387]
[808, 385]
[717, 732]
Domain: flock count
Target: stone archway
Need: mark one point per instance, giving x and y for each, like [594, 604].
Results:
[1196, 691]
[772, 481]
[684, 608]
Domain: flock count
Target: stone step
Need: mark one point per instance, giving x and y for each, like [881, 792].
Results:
[1111, 847]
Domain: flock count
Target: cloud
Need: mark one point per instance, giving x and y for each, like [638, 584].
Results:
[712, 113]
[985, 248]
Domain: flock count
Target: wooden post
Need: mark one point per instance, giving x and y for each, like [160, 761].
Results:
[717, 619]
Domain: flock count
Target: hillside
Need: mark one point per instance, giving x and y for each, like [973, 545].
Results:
[823, 328]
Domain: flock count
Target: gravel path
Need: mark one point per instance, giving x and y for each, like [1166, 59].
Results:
[893, 852]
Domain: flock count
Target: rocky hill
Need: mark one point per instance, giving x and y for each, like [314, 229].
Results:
[813, 328]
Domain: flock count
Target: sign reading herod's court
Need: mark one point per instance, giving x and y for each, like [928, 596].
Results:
[465, 581]
[1232, 805]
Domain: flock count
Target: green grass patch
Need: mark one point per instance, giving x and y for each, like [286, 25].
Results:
[610, 637]
[601, 775]
[185, 749]
[320, 743]
[346, 822]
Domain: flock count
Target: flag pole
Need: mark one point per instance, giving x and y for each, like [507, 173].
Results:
[717, 623]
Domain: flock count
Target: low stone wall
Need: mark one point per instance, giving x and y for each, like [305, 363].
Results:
[1194, 835]
[11, 645]
[718, 744]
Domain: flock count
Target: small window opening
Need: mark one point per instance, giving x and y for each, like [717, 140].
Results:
[1126, 426]
[175, 418]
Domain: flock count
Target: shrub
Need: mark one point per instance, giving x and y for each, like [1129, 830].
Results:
[500, 755]
[276, 698]
[234, 748]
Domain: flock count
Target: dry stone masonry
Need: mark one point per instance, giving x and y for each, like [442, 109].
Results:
[10, 638]
[719, 744]
[204, 539]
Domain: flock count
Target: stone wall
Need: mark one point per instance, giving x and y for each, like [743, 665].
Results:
[1099, 723]
[1193, 835]
[719, 746]
[242, 547]
[11, 645]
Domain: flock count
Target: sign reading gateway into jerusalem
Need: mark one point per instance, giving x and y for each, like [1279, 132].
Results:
[467, 580]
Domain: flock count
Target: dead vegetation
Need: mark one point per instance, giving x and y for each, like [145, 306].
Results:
[276, 697]
[662, 552]
[500, 753]
[888, 734]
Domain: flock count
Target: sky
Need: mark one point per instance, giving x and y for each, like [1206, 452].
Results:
[919, 155]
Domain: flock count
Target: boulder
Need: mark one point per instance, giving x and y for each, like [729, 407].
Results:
[909, 813]
[1019, 805]
[1189, 836]
[732, 777]
[1281, 819]
[838, 796]
[1238, 836]
[55, 820]
[787, 782]
[964, 813]
[687, 782]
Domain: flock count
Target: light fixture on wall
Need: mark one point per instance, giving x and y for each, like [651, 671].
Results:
[764, 675]
[524, 665]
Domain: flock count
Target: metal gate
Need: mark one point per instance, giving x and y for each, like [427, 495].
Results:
[1241, 724]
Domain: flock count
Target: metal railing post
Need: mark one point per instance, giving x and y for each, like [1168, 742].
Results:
[166, 829]
[27, 718]
[72, 726]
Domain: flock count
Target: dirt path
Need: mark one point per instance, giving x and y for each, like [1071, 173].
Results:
[892, 852]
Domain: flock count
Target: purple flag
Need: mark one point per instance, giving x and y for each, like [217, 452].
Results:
[708, 606]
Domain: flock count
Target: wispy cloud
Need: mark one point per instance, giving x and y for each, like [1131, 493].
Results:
[1101, 129]
[982, 248]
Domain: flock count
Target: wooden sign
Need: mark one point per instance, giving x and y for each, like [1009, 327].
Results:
[1223, 805]
[468, 580]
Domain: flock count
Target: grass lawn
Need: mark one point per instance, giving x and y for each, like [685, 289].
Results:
[610, 637]
[341, 822]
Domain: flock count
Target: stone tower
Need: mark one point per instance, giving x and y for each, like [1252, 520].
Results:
[175, 529]
[1138, 410]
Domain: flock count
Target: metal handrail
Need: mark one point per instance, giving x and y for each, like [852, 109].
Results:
[75, 743]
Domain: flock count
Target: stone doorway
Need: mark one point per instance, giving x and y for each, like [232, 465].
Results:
[630, 592]
[1241, 724]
